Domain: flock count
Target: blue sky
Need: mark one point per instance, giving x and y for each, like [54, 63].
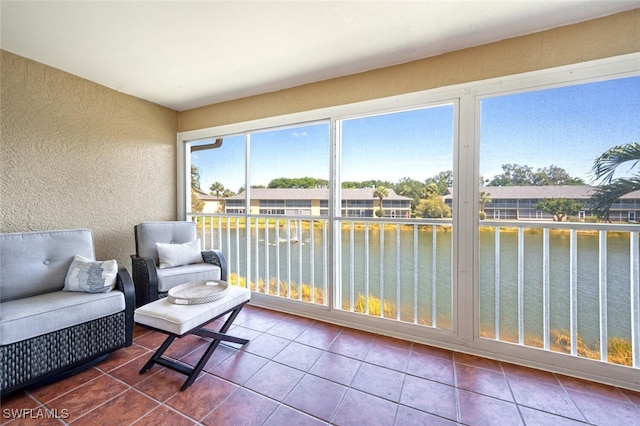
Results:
[567, 127]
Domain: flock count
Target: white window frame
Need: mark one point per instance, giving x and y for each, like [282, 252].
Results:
[466, 150]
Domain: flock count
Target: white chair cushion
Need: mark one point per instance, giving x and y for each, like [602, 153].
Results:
[171, 277]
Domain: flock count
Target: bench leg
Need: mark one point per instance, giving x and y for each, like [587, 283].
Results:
[158, 355]
[217, 338]
[193, 372]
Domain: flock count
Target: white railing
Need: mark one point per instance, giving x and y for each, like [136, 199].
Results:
[532, 277]
[398, 269]
[282, 256]
[590, 263]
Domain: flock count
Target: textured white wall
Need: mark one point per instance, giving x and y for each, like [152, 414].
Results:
[78, 155]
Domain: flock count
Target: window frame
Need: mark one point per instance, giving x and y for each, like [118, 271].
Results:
[466, 159]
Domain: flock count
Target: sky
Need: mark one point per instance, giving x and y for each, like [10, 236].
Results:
[567, 127]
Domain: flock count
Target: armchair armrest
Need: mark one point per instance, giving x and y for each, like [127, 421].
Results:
[216, 257]
[145, 279]
[124, 283]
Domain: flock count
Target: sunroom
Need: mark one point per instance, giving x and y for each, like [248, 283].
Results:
[560, 298]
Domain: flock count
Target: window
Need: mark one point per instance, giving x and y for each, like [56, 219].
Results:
[544, 142]
[392, 161]
[414, 254]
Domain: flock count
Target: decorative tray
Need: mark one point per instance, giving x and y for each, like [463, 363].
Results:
[198, 292]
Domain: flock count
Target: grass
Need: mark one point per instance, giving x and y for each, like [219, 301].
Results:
[281, 289]
[375, 306]
[619, 350]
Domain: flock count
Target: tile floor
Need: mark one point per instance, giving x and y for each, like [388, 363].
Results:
[296, 371]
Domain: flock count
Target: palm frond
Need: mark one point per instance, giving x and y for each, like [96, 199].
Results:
[605, 195]
[606, 164]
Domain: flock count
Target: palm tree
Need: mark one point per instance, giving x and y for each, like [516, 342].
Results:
[610, 189]
[380, 192]
[216, 188]
[484, 199]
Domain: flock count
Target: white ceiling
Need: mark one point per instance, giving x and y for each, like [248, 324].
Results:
[185, 54]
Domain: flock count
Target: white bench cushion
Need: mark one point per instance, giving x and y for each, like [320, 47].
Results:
[179, 319]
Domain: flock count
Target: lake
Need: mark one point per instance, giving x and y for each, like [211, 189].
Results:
[413, 264]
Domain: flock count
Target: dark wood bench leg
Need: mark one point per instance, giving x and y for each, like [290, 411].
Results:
[193, 372]
[158, 355]
[217, 337]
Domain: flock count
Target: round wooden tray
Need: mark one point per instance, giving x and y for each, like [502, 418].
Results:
[197, 292]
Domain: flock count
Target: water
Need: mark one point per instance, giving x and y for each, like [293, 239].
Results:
[416, 262]
[618, 290]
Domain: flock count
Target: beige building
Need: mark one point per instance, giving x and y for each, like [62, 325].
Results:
[519, 202]
[315, 202]
[211, 203]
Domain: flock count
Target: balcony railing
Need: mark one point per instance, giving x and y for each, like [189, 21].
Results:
[575, 283]
[563, 287]
[400, 269]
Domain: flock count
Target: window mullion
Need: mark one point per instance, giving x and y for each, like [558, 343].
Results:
[465, 218]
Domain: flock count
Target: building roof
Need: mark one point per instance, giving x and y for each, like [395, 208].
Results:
[314, 194]
[539, 192]
[204, 196]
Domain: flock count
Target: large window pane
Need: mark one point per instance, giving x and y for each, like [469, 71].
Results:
[397, 165]
[217, 173]
[289, 170]
[289, 176]
[562, 282]
[217, 182]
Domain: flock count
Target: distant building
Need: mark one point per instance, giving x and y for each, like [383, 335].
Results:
[212, 204]
[315, 202]
[518, 202]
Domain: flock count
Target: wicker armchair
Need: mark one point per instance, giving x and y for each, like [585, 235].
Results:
[152, 281]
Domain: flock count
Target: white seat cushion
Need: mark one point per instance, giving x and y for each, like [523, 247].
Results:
[179, 319]
[171, 277]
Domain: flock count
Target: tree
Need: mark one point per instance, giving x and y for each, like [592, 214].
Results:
[517, 175]
[195, 177]
[430, 190]
[559, 208]
[513, 175]
[411, 188]
[433, 207]
[380, 192]
[305, 182]
[610, 189]
[442, 180]
[554, 175]
[216, 189]
[483, 199]
[197, 205]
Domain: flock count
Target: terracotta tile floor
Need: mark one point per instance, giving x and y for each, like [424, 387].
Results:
[296, 371]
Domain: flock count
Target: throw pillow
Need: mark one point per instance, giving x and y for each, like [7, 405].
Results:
[91, 276]
[170, 255]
